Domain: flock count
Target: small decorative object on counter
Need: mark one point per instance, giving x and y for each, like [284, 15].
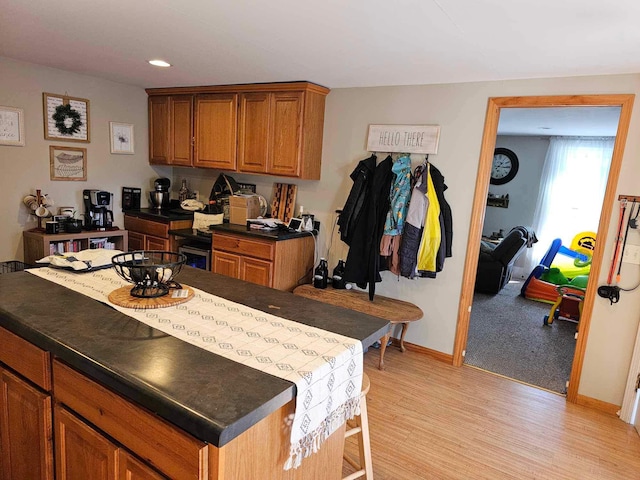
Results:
[321, 274]
[337, 279]
[183, 193]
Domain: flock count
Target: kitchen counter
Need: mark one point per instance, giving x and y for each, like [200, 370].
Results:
[276, 235]
[208, 396]
[160, 215]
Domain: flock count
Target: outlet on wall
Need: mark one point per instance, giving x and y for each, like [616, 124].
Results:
[196, 195]
[631, 254]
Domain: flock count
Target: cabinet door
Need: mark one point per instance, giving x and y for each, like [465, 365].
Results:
[253, 132]
[226, 264]
[256, 271]
[155, 243]
[181, 138]
[133, 469]
[159, 130]
[26, 447]
[136, 241]
[216, 131]
[286, 134]
[81, 452]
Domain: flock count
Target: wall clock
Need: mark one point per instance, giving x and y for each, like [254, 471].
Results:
[505, 166]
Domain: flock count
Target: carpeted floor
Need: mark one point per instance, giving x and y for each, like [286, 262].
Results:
[507, 336]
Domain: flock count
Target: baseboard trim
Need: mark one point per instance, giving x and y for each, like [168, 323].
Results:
[596, 404]
[435, 354]
[589, 402]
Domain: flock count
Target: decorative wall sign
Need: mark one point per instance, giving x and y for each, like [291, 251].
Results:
[403, 138]
[66, 118]
[121, 135]
[11, 126]
[68, 163]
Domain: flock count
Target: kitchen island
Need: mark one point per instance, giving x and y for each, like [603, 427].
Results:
[164, 405]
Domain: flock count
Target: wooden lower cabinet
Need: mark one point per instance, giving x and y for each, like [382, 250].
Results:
[277, 264]
[147, 234]
[101, 435]
[83, 453]
[26, 447]
[245, 268]
[132, 469]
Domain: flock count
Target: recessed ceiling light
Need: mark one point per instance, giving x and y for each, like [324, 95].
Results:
[159, 63]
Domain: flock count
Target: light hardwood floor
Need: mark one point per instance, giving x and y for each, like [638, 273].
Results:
[430, 420]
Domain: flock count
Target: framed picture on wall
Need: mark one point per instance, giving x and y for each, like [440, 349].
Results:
[11, 126]
[121, 135]
[68, 163]
[66, 118]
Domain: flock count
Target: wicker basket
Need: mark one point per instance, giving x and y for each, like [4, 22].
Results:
[13, 266]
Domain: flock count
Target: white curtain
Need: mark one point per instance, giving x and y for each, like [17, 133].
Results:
[572, 186]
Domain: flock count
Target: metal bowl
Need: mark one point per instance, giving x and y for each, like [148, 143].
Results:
[151, 271]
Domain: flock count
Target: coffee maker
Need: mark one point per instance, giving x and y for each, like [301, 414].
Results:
[97, 206]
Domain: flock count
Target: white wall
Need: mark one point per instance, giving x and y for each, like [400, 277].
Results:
[25, 169]
[458, 108]
[523, 189]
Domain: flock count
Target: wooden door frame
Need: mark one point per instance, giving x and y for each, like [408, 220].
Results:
[625, 102]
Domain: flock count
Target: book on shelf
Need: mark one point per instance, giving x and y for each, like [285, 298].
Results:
[101, 243]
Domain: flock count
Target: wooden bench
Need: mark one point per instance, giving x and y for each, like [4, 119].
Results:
[390, 309]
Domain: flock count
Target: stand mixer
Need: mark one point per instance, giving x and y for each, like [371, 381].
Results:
[160, 196]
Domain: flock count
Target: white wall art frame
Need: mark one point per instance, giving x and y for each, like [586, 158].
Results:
[121, 135]
[11, 126]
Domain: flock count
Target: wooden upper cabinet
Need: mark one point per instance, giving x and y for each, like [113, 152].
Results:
[253, 132]
[216, 129]
[159, 130]
[270, 129]
[181, 137]
[171, 130]
[286, 134]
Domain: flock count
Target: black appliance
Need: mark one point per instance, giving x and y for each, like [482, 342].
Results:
[160, 195]
[97, 209]
[131, 198]
[197, 256]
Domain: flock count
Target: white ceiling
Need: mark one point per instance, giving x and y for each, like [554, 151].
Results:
[560, 121]
[336, 43]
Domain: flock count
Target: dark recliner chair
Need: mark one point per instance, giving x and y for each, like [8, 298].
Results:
[496, 261]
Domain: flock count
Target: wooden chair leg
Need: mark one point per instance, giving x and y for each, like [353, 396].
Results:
[365, 441]
[359, 428]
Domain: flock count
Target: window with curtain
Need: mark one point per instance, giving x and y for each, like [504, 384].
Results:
[572, 187]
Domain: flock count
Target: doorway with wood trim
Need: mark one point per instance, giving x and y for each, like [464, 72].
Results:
[625, 102]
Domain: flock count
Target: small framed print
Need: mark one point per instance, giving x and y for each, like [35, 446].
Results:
[68, 163]
[11, 126]
[121, 135]
[66, 118]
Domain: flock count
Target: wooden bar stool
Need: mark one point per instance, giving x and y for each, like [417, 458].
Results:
[360, 426]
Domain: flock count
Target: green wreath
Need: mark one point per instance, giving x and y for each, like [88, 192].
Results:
[64, 112]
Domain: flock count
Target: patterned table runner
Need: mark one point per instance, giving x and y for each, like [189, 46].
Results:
[326, 367]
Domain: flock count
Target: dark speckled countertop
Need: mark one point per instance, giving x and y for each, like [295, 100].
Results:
[212, 398]
[170, 215]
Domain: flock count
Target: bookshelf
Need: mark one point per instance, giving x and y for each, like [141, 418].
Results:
[39, 244]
